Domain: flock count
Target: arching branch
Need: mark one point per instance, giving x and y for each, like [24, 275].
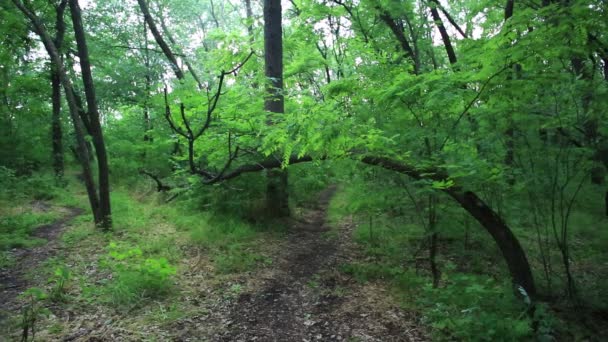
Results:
[506, 241]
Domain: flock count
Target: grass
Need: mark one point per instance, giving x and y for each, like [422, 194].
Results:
[475, 299]
[470, 303]
[20, 214]
[16, 230]
[155, 260]
[6, 259]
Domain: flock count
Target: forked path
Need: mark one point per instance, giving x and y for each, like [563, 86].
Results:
[308, 299]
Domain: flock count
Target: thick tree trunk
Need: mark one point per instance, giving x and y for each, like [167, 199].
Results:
[273, 56]
[148, 85]
[105, 212]
[249, 13]
[277, 200]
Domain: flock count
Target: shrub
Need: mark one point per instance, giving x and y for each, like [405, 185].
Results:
[32, 311]
[40, 186]
[475, 308]
[136, 278]
[59, 280]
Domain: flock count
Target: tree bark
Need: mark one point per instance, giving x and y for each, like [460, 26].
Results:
[277, 200]
[56, 131]
[509, 9]
[249, 13]
[510, 131]
[147, 87]
[105, 212]
[400, 35]
[444, 34]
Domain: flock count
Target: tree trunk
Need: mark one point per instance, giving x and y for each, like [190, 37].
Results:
[56, 131]
[277, 199]
[148, 86]
[400, 35]
[444, 34]
[105, 212]
[250, 19]
[507, 242]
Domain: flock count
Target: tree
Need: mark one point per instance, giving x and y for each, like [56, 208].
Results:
[277, 200]
[100, 203]
[104, 216]
[57, 138]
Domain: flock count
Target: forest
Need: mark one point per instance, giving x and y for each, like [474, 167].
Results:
[303, 170]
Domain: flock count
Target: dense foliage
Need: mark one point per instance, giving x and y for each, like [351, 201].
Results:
[469, 140]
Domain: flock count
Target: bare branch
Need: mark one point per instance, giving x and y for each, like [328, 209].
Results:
[174, 127]
[160, 187]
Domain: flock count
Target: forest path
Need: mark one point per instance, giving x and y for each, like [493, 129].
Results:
[14, 280]
[308, 299]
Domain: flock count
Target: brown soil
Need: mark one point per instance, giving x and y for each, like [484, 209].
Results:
[14, 280]
[308, 299]
[301, 296]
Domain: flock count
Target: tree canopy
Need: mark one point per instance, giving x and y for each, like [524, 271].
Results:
[492, 113]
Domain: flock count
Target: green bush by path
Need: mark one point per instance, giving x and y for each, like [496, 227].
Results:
[135, 277]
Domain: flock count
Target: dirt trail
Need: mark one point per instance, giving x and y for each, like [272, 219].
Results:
[308, 299]
[13, 280]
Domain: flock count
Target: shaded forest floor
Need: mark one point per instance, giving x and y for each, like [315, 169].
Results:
[294, 291]
[304, 297]
[15, 280]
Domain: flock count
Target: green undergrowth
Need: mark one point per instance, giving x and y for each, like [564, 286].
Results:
[26, 203]
[36, 186]
[474, 300]
[16, 230]
[229, 241]
[143, 254]
[136, 277]
[140, 266]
